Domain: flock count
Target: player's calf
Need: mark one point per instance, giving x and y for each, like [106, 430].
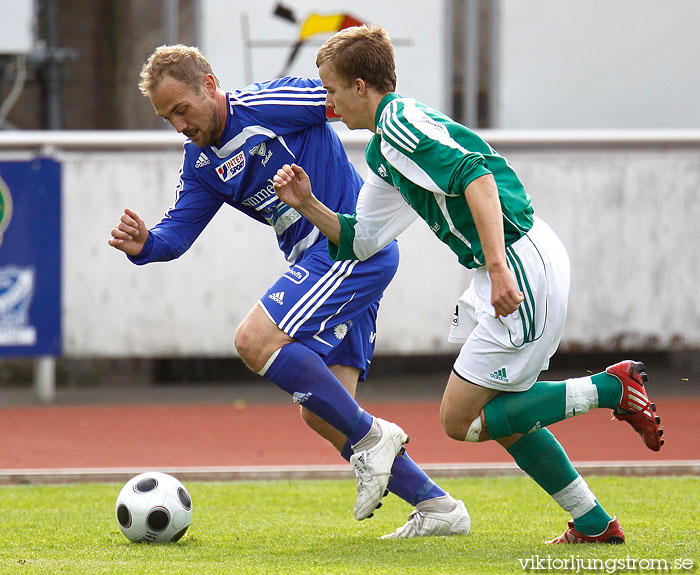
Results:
[324, 429]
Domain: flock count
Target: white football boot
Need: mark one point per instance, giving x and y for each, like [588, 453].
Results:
[372, 461]
[427, 521]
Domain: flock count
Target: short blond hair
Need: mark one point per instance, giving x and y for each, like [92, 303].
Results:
[184, 63]
[361, 52]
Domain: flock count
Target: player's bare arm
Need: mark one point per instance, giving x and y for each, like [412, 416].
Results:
[130, 234]
[293, 187]
[482, 197]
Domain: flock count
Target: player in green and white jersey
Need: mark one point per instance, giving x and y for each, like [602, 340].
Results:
[419, 150]
[511, 318]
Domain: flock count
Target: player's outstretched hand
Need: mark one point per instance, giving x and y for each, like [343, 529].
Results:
[292, 185]
[130, 234]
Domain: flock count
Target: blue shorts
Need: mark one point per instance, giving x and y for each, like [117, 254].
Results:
[331, 307]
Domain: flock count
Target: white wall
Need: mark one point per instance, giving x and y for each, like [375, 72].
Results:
[627, 212]
[191, 306]
[598, 64]
[629, 220]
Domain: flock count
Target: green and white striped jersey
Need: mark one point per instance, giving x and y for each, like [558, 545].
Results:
[421, 158]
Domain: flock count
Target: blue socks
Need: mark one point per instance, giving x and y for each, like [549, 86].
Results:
[303, 374]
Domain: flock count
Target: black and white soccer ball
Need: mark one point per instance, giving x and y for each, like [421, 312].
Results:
[154, 507]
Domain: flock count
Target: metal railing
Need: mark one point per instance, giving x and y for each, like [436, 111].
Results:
[154, 139]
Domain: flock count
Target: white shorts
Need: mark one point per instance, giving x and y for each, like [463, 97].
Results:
[509, 353]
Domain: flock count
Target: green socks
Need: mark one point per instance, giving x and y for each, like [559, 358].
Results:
[547, 402]
[594, 522]
[542, 457]
[609, 389]
[538, 452]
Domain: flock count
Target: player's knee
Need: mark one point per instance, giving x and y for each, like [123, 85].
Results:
[242, 341]
[257, 339]
[475, 431]
[248, 346]
[453, 426]
[461, 428]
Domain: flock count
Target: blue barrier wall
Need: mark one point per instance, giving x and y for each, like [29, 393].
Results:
[30, 258]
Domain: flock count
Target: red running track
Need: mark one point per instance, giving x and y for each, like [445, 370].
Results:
[238, 434]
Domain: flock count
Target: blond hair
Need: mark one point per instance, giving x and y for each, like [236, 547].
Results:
[184, 63]
[362, 52]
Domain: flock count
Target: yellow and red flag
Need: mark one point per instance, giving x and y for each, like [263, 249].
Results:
[320, 23]
[313, 25]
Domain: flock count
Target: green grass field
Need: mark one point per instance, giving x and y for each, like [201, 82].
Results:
[307, 527]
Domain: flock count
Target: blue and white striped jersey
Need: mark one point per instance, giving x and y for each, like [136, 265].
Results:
[268, 125]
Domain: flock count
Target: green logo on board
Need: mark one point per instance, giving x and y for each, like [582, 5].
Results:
[5, 208]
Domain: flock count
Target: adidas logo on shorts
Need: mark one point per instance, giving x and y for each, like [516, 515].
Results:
[277, 297]
[500, 375]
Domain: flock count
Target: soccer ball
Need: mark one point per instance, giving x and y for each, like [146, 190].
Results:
[154, 507]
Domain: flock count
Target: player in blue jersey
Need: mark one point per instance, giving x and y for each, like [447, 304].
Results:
[312, 332]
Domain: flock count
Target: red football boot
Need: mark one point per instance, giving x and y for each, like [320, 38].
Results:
[635, 407]
[613, 534]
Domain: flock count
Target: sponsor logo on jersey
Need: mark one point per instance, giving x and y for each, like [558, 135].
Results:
[297, 274]
[202, 161]
[372, 336]
[500, 375]
[262, 197]
[261, 150]
[231, 167]
[435, 227]
[382, 171]
[278, 214]
[277, 297]
[282, 217]
[455, 316]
